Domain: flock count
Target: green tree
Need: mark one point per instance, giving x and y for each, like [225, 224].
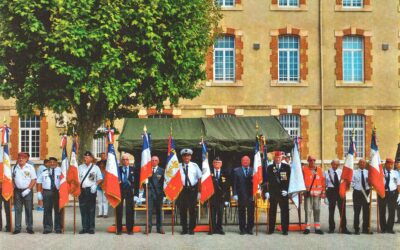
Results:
[98, 59]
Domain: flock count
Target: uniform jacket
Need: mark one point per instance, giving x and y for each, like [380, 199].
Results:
[221, 187]
[274, 180]
[156, 184]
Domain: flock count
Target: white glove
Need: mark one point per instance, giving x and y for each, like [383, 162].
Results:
[135, 199]
[227, 204]
[284, 193]
[235, 197]
[39, 196]
[25, 192]
[267, 195]
[93, 189]
[326, 201]
[398, 201]
[198, 196]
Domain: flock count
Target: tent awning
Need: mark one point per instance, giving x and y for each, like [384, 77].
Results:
[231, 134]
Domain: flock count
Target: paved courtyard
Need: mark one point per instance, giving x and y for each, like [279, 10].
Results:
[232, 240]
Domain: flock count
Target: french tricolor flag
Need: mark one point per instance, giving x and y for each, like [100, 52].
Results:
[64, 187]
[72, 174]
[257, 168]
[145, 169]
[207, 186]
[375, 172]
[5, 165]
[347, 174]
[111, 182]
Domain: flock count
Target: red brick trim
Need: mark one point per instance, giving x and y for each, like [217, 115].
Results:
[44, 138]
[153, 111]
[238, 56]
[14, 137]
[367, 52]
[238, 1]
[302, 34]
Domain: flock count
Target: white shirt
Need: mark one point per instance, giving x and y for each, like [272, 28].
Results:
[45, 178]
[394, 179]
[39, 171]
[194, 173]
[331, 173]
[92, 178]
[356, 183]
[23, 176]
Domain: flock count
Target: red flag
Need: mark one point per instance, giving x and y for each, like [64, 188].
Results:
[5, 161]
[375, 171]
[172, 179]
[72, 174]
[347, 174]
[111, 182]
[257, 169]
[207, 186]
[64, 187]
[145, 169]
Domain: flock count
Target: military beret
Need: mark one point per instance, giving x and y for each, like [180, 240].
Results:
[278, 153]
[186, 151]
[88, 153]
[389, 160]
[217, 159]
[52, 159]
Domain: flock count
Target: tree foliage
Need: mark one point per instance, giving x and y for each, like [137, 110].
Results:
[100, 58]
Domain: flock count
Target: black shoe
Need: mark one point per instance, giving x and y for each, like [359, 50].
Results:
[319, 231]
[58, 232]
[83, 232]
[210, 233]
[357, 232]
[221, 232]
[383, 231]
[366, 232]
[99, 216]
[91, 231]
[346, 232]
[331, 231]
[184, 232]
[391, 232]
[250, 231]
[306, 231]
[285, 233]
[8, 230]
[16, 231]
[270, 232]
[46, 232]
[118, 233]
[130, 232]
[160, 231]
[30, 231]
[191, 232]
[242, 232]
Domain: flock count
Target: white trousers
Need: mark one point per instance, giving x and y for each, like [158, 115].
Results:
[102, 203]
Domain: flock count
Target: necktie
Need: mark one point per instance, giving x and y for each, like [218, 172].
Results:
[53, 185]
[336, 184]
[246, 172]
[125, 174]
[387, 181]
[363, 180]
[186, 176]
[217, 176]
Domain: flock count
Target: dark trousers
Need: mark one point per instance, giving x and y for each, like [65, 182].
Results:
[335, 201]
[360, 202]
[50, 202]
[7, 212]
[19, 202]
[246, 209]
[187, 202]
[390, 202]
[155, 204]
[87, 206]
[217, 211]
[129, 210]
[284, 206]
[398, 213]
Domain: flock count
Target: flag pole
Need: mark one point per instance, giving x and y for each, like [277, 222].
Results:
[341, 216]
[210, 229]
[256, 207]
[370, 210]
[147, 207]
[378, 223]
[74, 214]
[299, 194]
[173, 216]
[10, 208]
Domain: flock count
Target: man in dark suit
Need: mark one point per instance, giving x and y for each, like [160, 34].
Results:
[275, 184]
[242, 193]
[156, 194]
[129, 189]
[221, 196]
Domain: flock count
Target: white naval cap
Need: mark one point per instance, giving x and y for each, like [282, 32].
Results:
[186, 151]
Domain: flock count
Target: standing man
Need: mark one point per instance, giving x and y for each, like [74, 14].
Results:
[89, 177]
[190, 175]
[243, 194]
[315, 190]
[49, 182]
[129, 191]
[6, 210]
[102, 201]
[392, 188]
[332, 179]
[221, 196]
[156, 194]
[361, 191]
[276, 183]
[398, 205]
[39, 171]
[24, 177]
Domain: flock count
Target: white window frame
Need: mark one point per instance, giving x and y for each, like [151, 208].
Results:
[224, 115]
[225, 5]
[352, 4]
[99, 144]
[224, 51]
[292, 124]
[353, 52]
[357, 123]
[288, 62]
[287, 4]
[30, 132]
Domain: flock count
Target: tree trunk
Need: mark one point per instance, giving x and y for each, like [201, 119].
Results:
[86, 129]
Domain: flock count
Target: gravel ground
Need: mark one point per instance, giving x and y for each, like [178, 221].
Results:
[232, 240]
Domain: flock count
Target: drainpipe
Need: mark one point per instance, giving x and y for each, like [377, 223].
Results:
[321, 80]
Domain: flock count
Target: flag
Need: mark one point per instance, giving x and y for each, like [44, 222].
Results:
[64, 187]
[4, 140]
[347, 174]
[172, 179]
[257, 168]
[111, 182]
[375, 172]
[207, 186]
[145, 169]
[5, 164]
[72, 174]
[296, 182]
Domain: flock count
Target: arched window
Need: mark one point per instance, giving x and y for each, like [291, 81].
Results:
[353, 59]
[288, 53]
[224, 59]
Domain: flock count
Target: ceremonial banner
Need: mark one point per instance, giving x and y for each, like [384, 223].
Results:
[6, 176]
[207, 186]
[111, 181]
[257, 168]
[347, 174]
[64, 187]
[72, 174]
[375, 172]
[145, 169]
[172, 179]
[296, 182]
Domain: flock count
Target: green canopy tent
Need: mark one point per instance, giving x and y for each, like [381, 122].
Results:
[230, 137]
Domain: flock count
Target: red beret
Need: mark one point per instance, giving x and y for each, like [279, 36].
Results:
[278, 153]
[389, 160]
